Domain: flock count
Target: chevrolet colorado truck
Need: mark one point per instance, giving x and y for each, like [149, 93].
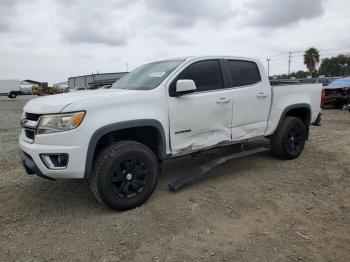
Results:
[118, 138]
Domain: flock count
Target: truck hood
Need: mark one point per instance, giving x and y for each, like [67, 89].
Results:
[56, 103]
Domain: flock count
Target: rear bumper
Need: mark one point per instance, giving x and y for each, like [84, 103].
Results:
[318, 120]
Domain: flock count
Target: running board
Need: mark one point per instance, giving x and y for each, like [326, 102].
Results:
[200, 172]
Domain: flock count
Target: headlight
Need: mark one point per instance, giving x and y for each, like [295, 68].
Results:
[60, 122]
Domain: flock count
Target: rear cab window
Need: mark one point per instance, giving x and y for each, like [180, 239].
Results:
[243, 73]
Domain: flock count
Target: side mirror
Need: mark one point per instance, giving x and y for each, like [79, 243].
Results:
[185, 86]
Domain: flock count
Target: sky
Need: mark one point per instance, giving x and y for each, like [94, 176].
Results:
[51, 40]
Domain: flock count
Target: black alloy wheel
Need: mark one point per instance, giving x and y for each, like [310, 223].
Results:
[124, 175]
[295, 139]
[129, 178]
[289, 139]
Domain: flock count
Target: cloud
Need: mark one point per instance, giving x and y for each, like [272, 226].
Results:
[7, 14]
[113, 23]
[50, 40]
[184, 13]
[91, 22]
[276, 13]
[94, 33]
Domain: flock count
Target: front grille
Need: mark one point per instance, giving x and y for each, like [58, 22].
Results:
[29, 133]
[29, 127]
[32, 117]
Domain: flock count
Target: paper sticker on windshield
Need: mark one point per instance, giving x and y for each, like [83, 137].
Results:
[157, 74]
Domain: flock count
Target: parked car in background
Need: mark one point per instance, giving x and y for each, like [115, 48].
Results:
[337, 93]
[10, 88]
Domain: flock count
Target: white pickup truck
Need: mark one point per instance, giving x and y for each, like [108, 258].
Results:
[117, 138]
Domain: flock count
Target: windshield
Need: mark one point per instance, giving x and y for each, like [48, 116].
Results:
[147, 76]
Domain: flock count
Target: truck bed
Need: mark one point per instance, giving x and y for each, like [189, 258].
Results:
[285, 95]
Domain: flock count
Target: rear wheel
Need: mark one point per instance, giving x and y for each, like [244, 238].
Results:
[289, 140]
[124, 175]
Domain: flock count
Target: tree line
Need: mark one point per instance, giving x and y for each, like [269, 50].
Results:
[335, 66]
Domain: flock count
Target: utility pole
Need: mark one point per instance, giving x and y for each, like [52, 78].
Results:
[127, 67]
[289, 61]
[268, 66]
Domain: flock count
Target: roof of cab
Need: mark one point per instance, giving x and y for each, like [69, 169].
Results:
[189, 58]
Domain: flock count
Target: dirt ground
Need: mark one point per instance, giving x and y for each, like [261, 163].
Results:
[255, 209]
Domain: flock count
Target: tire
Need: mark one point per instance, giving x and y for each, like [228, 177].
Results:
[12, 95]
[124, 175]
[289, 140]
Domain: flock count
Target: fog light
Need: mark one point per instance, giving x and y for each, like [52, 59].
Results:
[55, 161]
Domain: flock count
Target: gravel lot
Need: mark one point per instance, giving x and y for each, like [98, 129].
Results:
[255, 209]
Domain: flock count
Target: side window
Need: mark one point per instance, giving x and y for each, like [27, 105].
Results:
[243, 73]
[206, 75]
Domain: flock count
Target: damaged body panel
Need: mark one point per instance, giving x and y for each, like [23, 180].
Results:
[201, 141]
[189, 126]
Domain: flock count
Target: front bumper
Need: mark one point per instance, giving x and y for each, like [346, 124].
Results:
[33, 164]
[30, 167]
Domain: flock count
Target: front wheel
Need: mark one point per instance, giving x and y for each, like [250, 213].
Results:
[125, 174]
[289, 140]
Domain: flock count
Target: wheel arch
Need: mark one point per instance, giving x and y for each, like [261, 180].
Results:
[127, 129]
[302, 111]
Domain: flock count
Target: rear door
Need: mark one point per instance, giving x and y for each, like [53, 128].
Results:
[203, 118]
[251, 99]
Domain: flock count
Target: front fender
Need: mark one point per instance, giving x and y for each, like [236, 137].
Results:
[99, 133]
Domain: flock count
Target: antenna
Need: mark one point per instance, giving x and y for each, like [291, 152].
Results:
[268, 66]
[289, 61]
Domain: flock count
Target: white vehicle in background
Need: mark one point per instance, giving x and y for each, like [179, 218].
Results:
[26, 88]
[118, 138]
[62, 86]
[10, 88]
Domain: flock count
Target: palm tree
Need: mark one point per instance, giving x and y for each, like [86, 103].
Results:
[311, 59]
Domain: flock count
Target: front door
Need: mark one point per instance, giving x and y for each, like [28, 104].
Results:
[203, 118]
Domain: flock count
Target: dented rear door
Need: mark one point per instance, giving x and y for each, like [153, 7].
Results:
[251, 99]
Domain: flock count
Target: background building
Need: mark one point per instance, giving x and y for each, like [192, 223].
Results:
[93, 81]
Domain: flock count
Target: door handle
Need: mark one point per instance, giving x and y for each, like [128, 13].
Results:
[261, 95]
[223, 100]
